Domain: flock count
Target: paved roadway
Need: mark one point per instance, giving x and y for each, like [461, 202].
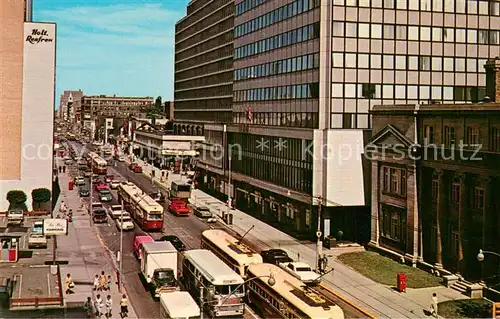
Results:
[188, 229]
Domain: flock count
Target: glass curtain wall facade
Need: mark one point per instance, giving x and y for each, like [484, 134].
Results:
[408, 52]
[204, 62]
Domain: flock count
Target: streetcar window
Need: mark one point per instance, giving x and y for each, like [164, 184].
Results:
[155, 216]
[229, 289]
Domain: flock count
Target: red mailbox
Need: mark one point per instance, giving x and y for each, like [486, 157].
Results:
[401, 281]
[70, 185]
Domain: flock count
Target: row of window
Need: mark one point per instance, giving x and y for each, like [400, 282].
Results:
[302, 34]
[288, 119]
[478, 195]
[349, 120]
[391, 224]
[408, 92]
[247, 5]
[407, 62]
[482, 7]
[265, 168]
[472, 136]
[299, 63]
[282, 13]
[414, 33]
[287, 92]
[394, 180]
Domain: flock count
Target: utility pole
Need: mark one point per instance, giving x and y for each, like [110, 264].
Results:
[229, 199]
[319, 244]
[120, 275]
[91, 190]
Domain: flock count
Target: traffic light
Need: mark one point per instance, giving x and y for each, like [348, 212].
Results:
[496, 310]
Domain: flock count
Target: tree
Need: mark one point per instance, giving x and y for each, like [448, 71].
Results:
[40, 196]
[17, 200]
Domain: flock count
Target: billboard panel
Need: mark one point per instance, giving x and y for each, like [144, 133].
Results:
[55, 226]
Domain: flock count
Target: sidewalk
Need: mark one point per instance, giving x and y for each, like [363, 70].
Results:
[377, 299]
[85, 252]
[165, 182]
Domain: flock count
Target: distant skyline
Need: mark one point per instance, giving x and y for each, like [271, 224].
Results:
[122, 47]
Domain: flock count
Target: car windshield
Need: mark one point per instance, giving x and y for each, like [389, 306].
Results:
[204, 209]
[36, 235]
[302, 269]
[126, 219]
[116, 207]
[105, 192]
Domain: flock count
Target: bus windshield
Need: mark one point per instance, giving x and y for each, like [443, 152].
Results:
[229, 289]
[155, 216]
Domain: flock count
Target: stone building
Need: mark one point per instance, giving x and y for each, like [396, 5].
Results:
[435, 169]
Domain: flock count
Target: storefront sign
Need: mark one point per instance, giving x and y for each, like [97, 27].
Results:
[54, 227]
[38, 36]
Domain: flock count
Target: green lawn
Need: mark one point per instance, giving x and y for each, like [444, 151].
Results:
[384, 270]
[467, 308]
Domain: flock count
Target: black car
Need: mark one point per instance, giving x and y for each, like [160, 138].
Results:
[175, 241]
[158, 196]
[84, 192]
[275, 256]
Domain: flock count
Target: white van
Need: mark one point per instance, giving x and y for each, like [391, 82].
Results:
[178, 304]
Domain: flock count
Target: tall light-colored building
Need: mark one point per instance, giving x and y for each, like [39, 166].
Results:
[307, 73]
[27, 83]
[70, 105]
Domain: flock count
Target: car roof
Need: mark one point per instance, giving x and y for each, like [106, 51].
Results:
[299, 264]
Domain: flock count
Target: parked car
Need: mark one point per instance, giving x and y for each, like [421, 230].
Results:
[37, 240]
[125, 222]
[99, 216]
[202, 212]
[138, 169]
[275, 256]
[15, 217]
[301, 271]
[176, 242]
[84, 192]
[97, 205]
[114, 184]
[105, 195]
[87, 172]
[37, 227]
[132, 166]
[100, 186]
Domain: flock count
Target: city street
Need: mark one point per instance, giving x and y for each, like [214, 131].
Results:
[188, 229]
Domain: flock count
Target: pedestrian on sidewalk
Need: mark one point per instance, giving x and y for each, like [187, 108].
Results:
[102, 281]
[64, 169]
[88, 307]
[109, 306]
[98, 306]
[96, 282]
[69, 284]
[108, 283]
[434, 305]
[124, 306]
[60, 169]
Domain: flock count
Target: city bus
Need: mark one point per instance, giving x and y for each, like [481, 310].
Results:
[146, 212]
[97, 163]
[223, 289]
[235, 254]
[288, 297]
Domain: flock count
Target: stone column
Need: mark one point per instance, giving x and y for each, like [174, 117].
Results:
[461, 213]
[440, 208]
[413, 217]
[376, 186]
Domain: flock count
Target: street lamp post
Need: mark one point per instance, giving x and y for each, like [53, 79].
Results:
[481, 253]
[121, 249]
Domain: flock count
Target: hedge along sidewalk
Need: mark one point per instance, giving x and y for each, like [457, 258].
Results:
[384, 270]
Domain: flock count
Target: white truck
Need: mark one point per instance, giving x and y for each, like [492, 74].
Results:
[159, 267]
[178, 304]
